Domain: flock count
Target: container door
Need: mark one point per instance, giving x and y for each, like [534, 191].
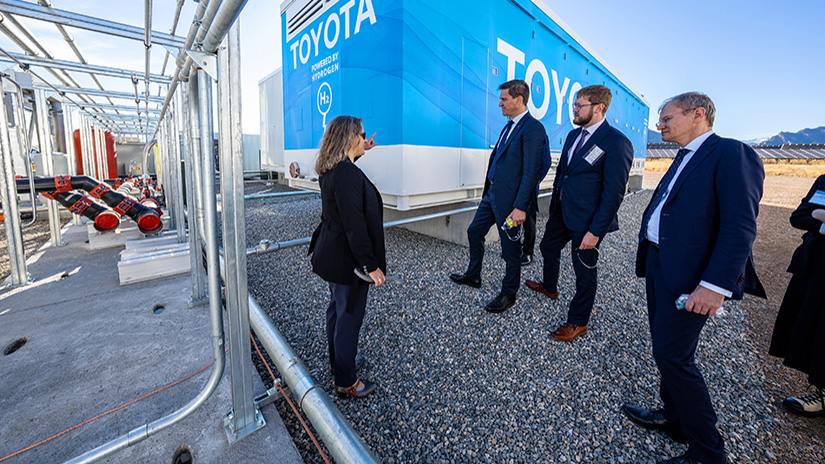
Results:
[475, 112]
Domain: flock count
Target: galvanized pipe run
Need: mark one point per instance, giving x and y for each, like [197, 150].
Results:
[68, 132]
[24, 142]
[343, 443]
[268, 246]
[8, 195]
[91, 23]
[197, 156]
[41, 113]
[196, 273]
[175, 154]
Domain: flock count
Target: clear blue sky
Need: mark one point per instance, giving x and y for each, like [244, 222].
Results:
[762, 61]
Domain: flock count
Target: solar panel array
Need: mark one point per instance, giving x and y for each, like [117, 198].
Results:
[780, 152]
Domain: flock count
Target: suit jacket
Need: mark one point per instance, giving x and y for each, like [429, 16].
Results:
[592, 192]
[351, 233]
[801, 219]
[518, 167]
[708, 221]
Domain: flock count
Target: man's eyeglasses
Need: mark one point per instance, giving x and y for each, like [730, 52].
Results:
[577, 107]
[663, 121]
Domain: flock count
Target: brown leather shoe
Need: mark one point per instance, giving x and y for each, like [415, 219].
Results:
[538, 287]
[569, 332]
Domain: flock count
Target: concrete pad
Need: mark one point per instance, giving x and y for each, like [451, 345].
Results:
[92, 346]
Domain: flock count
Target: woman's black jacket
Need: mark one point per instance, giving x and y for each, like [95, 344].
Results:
[351, 233]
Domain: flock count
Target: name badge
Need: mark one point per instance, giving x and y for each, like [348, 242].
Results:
[818, 198]
[593, 155]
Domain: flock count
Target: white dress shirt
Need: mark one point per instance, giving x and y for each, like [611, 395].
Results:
[590, 131]
[653, 225]
[507, 134]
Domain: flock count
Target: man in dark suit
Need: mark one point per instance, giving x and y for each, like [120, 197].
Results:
[590, 182]
[512, 175]
[695, 243]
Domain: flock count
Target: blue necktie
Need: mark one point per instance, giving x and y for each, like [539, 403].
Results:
[501, 139]
[664, 187]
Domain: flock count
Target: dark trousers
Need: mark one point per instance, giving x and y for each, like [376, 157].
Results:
[529, 242]
[343, 329]
[675, 334]
[510, 250]
[556, 236]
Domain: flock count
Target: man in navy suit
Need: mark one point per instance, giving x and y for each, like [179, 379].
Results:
[695, 240]
[509, 190]
[590, 183]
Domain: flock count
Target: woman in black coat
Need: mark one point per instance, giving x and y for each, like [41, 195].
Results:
[351, 235]
[799, 333]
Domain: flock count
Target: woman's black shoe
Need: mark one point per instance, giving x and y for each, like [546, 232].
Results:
[367, 387]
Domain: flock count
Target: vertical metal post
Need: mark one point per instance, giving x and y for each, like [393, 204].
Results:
[174, 153]
[190, 156]
[197, 159]
[41, 110]
[164, 170]
[245, 417]
[104, 159]
[86, 146]
[11, 212]
[68, 132]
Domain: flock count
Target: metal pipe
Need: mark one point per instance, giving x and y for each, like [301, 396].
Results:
[268, 246]
[147, 42]
[172, 31]
[343, 443]
[258, 196]
[8, 195]
[102, 106]
[197, 169]
[84, 67]
[96, 93]
[42, 117]
[192, 199]
[176, 161]
[68, 132]
[91, 23]
[224, 19]
[24, 142]
[146, 149]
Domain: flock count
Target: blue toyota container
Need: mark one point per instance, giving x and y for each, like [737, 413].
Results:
[424, 76]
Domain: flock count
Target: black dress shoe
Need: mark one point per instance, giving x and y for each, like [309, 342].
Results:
[526, 260]
[655, 420]
[500, 303]
[359, 363]
[462, 279]
[681, 459]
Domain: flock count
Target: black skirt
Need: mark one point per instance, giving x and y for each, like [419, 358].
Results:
[799, 333]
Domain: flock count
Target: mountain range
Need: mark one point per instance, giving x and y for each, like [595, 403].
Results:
[810, 135]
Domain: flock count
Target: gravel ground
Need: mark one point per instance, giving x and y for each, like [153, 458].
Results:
[456, 384]
[34, 236]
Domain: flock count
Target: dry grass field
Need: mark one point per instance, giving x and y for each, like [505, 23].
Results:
[785, 168]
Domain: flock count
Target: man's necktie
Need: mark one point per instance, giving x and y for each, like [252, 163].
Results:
[501, 139]
[578, 146]
[664, 187]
